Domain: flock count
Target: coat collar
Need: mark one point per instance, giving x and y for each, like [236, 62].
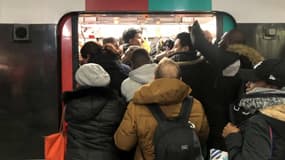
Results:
[88, 91]
[162, 91]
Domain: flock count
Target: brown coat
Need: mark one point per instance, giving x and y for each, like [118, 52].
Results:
[138, 124]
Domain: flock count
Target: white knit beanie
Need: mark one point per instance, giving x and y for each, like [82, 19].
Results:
[92, 74]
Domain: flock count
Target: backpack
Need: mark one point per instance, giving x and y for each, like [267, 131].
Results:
[175, 139]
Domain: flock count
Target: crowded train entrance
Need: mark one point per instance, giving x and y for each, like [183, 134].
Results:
[77, 28]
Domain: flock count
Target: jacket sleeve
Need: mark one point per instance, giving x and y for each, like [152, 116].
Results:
[219, 58]
[125, 136]
[198, 117]
[253, 144]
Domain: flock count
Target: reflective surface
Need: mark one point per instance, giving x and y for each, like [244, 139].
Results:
[28, 97]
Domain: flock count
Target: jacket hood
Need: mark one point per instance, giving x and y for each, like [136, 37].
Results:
[276, 112]
[83, 103]
[87, 91]
[163, 91]
[143, 74]
[275, 117]
[253, 55]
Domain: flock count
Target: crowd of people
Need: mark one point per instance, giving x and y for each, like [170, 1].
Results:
[238, 97]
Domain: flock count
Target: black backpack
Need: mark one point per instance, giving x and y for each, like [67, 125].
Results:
[175, 139]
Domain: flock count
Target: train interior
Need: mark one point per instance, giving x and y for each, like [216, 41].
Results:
[94, 27]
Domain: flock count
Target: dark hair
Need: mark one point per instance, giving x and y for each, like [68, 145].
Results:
[129, 34]
[109, 40]
[139, 57]
[90, 48]
[168, 44]
[185, 39]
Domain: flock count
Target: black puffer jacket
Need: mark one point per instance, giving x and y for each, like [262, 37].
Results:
[93, 115]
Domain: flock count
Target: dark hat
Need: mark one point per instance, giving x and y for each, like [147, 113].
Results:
[272, 71]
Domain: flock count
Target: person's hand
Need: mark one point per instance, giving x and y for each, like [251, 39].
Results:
[229, 129]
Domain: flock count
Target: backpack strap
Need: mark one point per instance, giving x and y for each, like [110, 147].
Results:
[183, 114]
[186, 109]
[156, 112]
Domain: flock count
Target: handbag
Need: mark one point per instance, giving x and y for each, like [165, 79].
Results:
[55, 144]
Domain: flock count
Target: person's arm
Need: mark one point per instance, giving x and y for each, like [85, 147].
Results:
[219, 58]
[253, 144]
[125, 136]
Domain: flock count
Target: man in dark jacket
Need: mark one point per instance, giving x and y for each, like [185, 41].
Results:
[195, 70]
[262, 136]
[93, 113]
[225, 85]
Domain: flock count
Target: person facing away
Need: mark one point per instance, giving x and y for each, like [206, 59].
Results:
[142, 73]
[262, 136]
[168, 91]
[112, 44]
[93, 113]
[109, 60]
[225, 85]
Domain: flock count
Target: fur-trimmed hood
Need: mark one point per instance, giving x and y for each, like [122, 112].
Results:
[252, 54]
[88, 91]
[163, 91]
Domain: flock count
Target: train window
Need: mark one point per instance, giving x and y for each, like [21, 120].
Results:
[95, 27]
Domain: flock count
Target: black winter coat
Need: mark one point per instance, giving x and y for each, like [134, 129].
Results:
[93, 115]
[197, 73]
[225, 89]
[254, 141]
[116, 69]
[213, 90]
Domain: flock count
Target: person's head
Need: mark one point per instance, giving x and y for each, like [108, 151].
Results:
[269, 73]
[92, 75]
[133, 37]
[183, 42]
[232, 37]
[139, 57]
[168, 45]
[167, 68]
[111, 40]
[89, 50]
[127, 54]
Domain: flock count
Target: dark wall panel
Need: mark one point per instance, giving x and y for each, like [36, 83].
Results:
[28, 97]
[269, 39]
